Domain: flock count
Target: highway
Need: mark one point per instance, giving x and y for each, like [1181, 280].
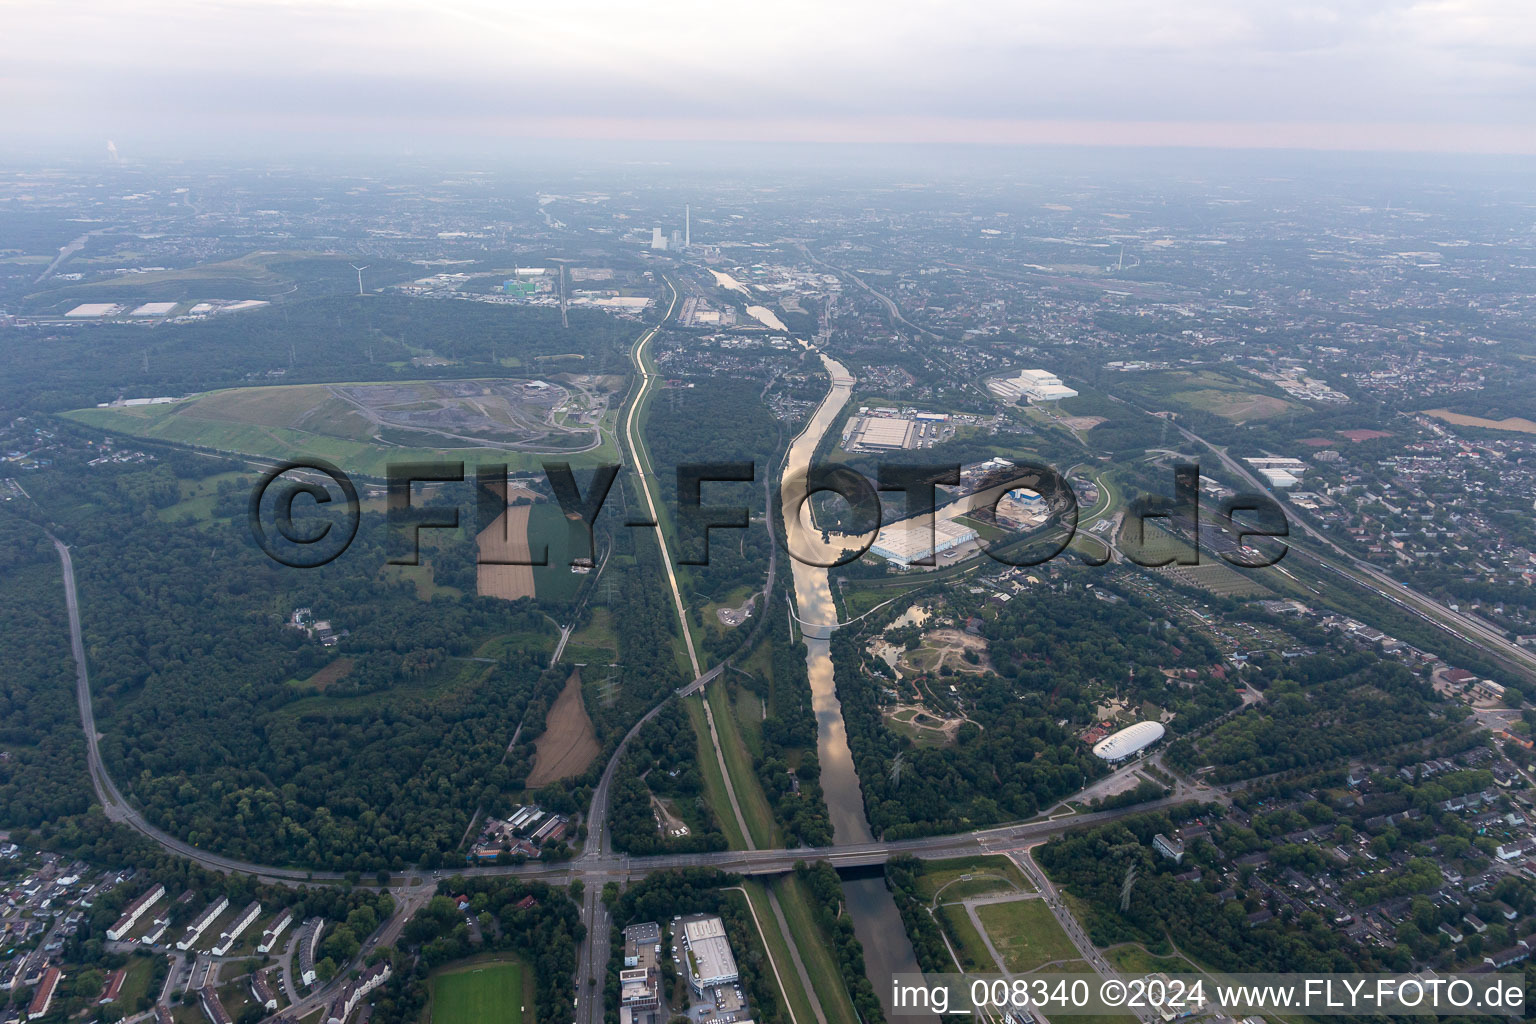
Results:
[597, 860]
[1460, 626]
[647, 474]
[598, 863]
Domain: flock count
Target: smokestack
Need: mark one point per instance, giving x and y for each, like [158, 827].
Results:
[687, 236]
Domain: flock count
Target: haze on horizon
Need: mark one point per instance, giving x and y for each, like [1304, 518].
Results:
[1430, 75]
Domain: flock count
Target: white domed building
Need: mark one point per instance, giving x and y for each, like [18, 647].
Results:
[1128, 742]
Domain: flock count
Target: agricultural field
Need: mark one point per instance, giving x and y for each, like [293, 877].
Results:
[595, 642]
[363, 427]
[336, 670]
[490, 990]
[568, 743]
[504, 541]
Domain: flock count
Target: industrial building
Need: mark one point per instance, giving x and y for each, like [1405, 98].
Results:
[710, 961]
[1021, 507]
[907, 540]
[94, 309]
[882, 433]
[1278, 472]
[1035, 385]
[1131, 740]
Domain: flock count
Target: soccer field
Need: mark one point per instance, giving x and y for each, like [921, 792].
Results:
[480, 994]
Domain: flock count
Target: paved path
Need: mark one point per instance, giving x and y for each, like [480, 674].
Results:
[794, 955]
[768, 950]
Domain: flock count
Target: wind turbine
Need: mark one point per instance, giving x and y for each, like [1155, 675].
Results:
[359, 277]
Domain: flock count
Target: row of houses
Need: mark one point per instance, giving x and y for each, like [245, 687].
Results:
[309, 945]
[228, 939]
[275, 929]
[346, 1001]
[135, 911]
[197, 927]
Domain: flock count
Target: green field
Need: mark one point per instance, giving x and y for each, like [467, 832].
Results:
[738, 761]
[480, 992]
[776, 943]
[714, 782]
[136, 982]
[1230, 396]
[966, 939]
[361, 427]
[1026, 934]
[1134, 959]
[987, 874]
[826, 978]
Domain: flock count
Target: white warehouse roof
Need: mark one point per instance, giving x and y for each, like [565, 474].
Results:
[1128, 741]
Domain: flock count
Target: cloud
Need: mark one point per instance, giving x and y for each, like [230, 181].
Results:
[385, 66]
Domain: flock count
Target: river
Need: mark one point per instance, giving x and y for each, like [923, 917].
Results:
[887, 951]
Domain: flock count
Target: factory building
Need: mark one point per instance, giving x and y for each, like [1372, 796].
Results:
[883, 433]
[710, 961]
[903, 543]
[1035, 385]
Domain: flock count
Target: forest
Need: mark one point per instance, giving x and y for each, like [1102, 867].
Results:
[42, 750]
[724, 422]
[661, 762]
[1318, 710]
[789, 735]
[1055, 654]
[331, 338]
[200, 689]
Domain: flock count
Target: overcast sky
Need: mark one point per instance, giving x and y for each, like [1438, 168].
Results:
[1452, 75]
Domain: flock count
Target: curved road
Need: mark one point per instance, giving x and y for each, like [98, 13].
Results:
[598, 860]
